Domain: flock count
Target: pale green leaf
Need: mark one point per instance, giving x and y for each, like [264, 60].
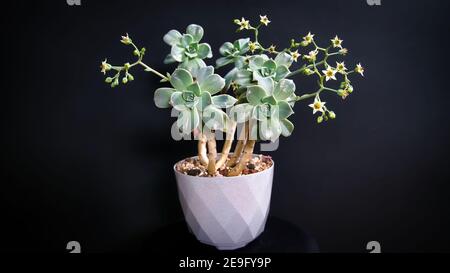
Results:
[284, 110]
[177, 101]
[177, 53]
[205, 101]
[255, 94]
[226, 49]
[284, 89]
[195, 88]
[162, 97]
[223, 101]
[204, 51]
[195, 31]
[212, 84]
[241, 112]
[286, 127]
[283, 59]
[172, 37]
[181, 79]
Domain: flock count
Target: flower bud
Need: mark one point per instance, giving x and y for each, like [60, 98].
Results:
[136, 52]
[319, 119]
[332, 115]
[108, 80]
[308, 72]
[124, 80]
[130, 77]
[350, 88]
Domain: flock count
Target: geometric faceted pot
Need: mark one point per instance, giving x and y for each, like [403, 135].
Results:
[226, 212]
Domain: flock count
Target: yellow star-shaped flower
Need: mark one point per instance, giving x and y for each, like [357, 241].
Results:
[359, 69]
[245, 24]
[340, 67]
[336, 42]
[253, 46]
[295, 55]
[329, 73]
[272, 49]
[264, 20]
[308, 38]
[317, 106]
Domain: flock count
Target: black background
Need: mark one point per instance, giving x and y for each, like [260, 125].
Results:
[82, 161]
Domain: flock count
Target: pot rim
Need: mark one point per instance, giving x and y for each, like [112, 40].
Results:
[222, 177]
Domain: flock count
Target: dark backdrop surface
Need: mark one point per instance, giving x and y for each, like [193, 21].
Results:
[83, 162]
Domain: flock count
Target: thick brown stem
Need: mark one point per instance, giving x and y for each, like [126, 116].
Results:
[226, 146]
[212, 154]
[239, 147]
[248, 153]
[201, 147]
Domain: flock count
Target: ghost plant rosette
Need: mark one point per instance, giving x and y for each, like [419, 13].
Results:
[257, 93]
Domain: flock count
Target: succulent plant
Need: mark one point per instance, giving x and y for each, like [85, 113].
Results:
[186, 48]
[262, 88]
[233, 52]
[192, 93]
[269, 108]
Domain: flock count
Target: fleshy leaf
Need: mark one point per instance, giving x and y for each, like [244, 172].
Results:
[284, 89]
[283, 59]
[243, 77]
[265, 82]
[255, 94]
[169, 59]
[181, 79]
[204, 51]
[241, 112]
[284, 110]
[270, 100]
[162, 97]
[270, 129]
[177, 53]
[242, 45]
[214, 118]
[212, 84]
[172, 37]
[226, 49]
[223, 61]
[205, 101]
[195, 88]
[177, 101]
[223, 101]
[270, 64]
[201, 73]
[286, 127]
[188, 120]
[196, 31]
[186, 40]
[192, 64]
[281, 72]
[262, 112]
[256, 62]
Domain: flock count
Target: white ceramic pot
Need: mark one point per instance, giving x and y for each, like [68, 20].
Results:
[226, 212]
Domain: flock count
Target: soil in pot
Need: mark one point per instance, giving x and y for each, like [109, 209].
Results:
[193, 167]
